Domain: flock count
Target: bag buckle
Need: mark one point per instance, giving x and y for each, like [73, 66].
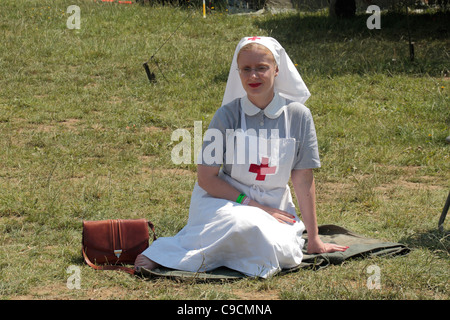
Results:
[118, 253]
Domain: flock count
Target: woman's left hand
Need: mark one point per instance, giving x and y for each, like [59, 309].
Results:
[280, 215]
[316, 245]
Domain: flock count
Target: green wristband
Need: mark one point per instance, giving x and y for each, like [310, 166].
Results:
[240, 198]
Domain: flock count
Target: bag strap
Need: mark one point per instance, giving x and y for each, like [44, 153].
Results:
[106, 267]
[152, 227]
[131, 271]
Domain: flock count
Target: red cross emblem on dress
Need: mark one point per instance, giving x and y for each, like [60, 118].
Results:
[262, 170]
[253, 38]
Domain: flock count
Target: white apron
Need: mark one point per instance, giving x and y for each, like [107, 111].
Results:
[243, 238]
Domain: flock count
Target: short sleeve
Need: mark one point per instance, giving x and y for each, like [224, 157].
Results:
[307, 153]
[214, 139]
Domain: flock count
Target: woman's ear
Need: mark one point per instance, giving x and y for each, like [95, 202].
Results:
[276, 70]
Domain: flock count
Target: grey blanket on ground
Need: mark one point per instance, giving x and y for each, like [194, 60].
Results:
[359, 247]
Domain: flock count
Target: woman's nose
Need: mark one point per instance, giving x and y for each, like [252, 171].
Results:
[254, 74]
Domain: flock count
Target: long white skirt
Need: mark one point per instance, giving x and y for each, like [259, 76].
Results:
[224, 233]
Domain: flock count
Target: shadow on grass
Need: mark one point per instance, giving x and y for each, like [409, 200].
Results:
[433, 240]
[330, 46]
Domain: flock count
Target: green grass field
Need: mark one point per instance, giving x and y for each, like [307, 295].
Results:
[86, 136]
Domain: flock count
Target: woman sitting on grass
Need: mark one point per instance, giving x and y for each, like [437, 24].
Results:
[241, 214]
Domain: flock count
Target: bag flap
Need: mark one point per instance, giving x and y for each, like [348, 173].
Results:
[134, 233]
[98, 235]
[108, 235]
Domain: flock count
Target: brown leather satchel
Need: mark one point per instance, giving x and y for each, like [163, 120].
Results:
[107, 244]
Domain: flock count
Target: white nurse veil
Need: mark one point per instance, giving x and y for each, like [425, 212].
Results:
[289, 84]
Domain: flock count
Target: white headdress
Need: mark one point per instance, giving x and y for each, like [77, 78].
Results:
[288, 83]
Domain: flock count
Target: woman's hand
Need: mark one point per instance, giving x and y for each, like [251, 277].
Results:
[209, 180]
[280, 215]
[315, 245]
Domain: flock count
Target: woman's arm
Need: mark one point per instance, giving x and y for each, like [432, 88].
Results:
[209, 180]
[305, 189]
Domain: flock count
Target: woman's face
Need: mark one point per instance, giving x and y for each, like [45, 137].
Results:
[257, 70]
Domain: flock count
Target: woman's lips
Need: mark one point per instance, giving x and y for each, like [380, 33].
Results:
[254, 85]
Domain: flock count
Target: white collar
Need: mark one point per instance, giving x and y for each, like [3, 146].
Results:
[272, 111]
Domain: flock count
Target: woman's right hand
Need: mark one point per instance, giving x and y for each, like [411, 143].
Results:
[280, 215]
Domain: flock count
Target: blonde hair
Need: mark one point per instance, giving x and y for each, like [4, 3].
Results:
[254, 45]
